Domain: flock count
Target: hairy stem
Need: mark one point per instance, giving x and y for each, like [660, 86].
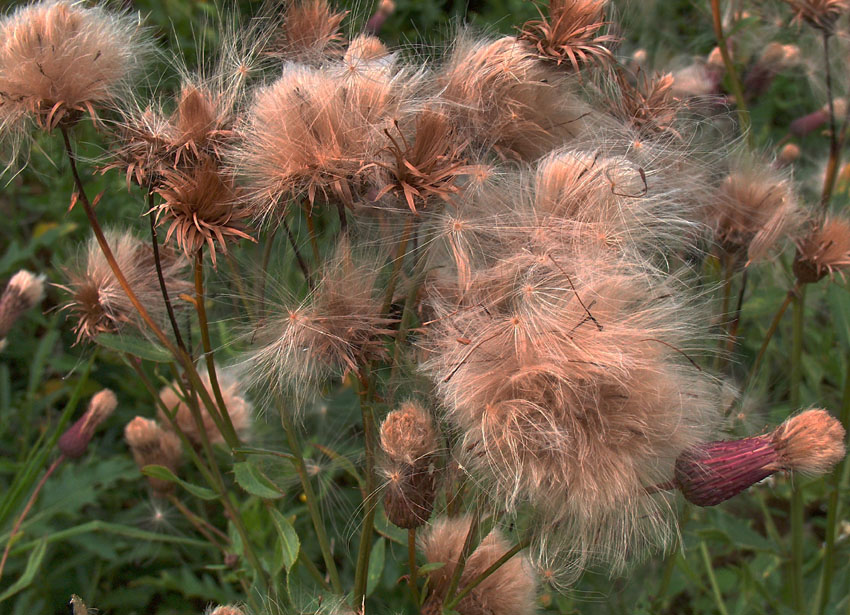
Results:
[312, 502]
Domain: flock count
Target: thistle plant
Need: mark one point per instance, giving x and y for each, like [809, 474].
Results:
[454, 335]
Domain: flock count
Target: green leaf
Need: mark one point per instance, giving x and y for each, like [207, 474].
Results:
[376, 565]
[289, 543]
[839, 303]
[255, 482]
[163, 473]
[430, 567]
[33, 564]
[136, 346]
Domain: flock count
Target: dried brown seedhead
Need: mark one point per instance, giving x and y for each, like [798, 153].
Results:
[649, 105]
[407, 434]
[571, 34]
[60, 59]
[823, 251]
[199, 123]
[428, 169]
[310, 29]
[151, 444]
[202, 206]
[820, 14]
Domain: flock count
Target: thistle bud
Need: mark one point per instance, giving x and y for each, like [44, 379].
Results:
[226, 610]
[74, 442]
[410, 444]
[787, 155]
[811, 442]
[151, 444]
[23, 292]
[809, 123]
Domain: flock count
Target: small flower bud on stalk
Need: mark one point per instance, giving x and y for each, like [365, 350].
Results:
[376, 21]
[410, 444]
[23, 292]
[787, 155]
[151, 444]
[807, 124]
[75, 441]
[811, 442]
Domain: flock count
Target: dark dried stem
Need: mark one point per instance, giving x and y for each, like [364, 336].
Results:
[158, 263]
[302, 264]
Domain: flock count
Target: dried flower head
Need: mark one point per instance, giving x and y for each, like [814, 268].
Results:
[75, 441]
[649, 105]
[510, 590]
[407, 434]
[309, 32]
[567, 374]
[811, 442]
[428, 169]
[59, 59]
[824, 250]
[754, 209]
[502, 96]
[312, 133]
[23, 292]
[820, 14]
[238, 407]
[571, 34]
[337, 328]
[98, 304]
[202, 205]
[150, 444]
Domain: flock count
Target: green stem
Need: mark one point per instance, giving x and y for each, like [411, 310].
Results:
[312, 502]
[734, 80]
[225, 425]
[314, 572]
[411, 564]
[715, 588]
[365, 548]
[834, 150]
[398, 261]
[467, 549]
[522, 544]
[797, 589]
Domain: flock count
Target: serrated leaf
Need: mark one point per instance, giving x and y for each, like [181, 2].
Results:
[290, 544]
[255, 482]
[163, 473]
[33, 564]
[136, 346]
[376, 565]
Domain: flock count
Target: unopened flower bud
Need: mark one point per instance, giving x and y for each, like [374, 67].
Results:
[811, 442]
[74, 442]
[23, 292]
[151, 444]
[789, 153]
[376, 21]
[226, 610]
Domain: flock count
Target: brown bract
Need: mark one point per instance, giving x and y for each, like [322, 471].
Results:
[824, 250]
[429, 168]
[820, 14]
[202, 205]
[59, 59]
[571, 34]
[310, 30]
[649, 105]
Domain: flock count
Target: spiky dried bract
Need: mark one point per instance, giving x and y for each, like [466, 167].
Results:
[811, 442]
[150, 444]
[649, 104]
[336, 329]
[59, 59]
[824, 250]
[202, 206]
[23, 292]
[820, 14]
[572, 34]
[510, 590]
[239, 409]
[310, 31]
[98, 304]
[567, 374]
[312, 132]
[75, 441]
[427, 170]
[754, 209]
[407, 434]
[502, 96]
